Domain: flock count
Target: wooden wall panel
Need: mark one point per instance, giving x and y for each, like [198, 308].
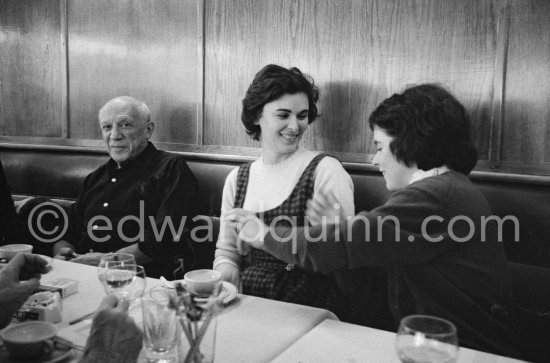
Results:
[359, 52]
[142, 48]
[526, 129]
[30, 68]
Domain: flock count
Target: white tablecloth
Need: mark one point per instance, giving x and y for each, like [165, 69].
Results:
[335, 341]
[251, 329]
[90, 291]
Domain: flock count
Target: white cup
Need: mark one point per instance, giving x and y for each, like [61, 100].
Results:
[9, 251]
[29, 340]
[202, 282]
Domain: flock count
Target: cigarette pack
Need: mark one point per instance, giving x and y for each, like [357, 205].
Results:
[62, 285]
[43, 306]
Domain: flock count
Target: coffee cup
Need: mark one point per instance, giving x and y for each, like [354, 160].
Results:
[202, 282]
[29, 340]
[9, 251]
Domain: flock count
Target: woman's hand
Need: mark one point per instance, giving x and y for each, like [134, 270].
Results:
[234, 217]
[230, 273]
[90, 258]
[250, 228]
[324, 209]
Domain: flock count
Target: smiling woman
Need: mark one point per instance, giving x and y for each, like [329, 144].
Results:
[283, 122]
[278, 107]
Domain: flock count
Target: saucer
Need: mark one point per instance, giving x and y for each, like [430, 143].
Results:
[228, 289]
[229, 292]
[56, 356]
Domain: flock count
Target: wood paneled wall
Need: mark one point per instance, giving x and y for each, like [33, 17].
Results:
[145, 49]
[358, 52]
[526, 128]
[192, 61]
[31, 68]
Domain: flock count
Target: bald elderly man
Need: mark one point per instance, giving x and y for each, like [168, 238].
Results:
[130, 203]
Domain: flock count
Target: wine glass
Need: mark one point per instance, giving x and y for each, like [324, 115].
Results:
[426, 339]
[126, 282]
[112, 259]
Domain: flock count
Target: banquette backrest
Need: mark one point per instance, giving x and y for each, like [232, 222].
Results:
[59, 174]
[50, 173]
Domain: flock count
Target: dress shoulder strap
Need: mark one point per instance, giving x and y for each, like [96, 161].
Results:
[307, 177]
[242, 184]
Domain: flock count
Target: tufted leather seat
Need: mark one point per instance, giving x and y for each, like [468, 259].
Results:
[59, 174]
[56, 174]
[48, 173]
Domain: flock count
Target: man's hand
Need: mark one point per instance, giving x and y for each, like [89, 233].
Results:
[63, 250]
[66, 254]
[18, 280]
[91, 258]
[140, 257]
[114, 334]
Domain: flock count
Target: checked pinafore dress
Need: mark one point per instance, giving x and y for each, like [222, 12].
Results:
[266, 276]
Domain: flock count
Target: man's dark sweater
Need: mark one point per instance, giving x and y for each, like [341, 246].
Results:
[136, 204]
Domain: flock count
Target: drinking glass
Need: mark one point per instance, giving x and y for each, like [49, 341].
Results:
[127, 282]
[112, 259]
[426, 339]
[160, 326]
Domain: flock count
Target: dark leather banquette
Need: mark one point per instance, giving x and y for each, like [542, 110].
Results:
[57, 172]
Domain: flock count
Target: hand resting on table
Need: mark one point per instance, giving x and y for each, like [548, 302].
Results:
[18, 280]
[114, 336]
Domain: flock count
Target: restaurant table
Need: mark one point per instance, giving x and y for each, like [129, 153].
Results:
[335, 341]
[250, 329]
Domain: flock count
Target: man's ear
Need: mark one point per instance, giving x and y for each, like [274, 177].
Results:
[150, 128]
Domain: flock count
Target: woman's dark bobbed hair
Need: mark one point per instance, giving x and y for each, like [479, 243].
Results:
[271, 83]
[430, 128]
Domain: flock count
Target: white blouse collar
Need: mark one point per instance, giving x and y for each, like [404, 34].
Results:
[423, 174]
[282, 164]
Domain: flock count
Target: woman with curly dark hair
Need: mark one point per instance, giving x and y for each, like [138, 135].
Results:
[432, 236]
[277, 109]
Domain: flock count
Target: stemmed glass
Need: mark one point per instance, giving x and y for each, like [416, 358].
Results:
[427, 339]
[113, 259]
[127, 282]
